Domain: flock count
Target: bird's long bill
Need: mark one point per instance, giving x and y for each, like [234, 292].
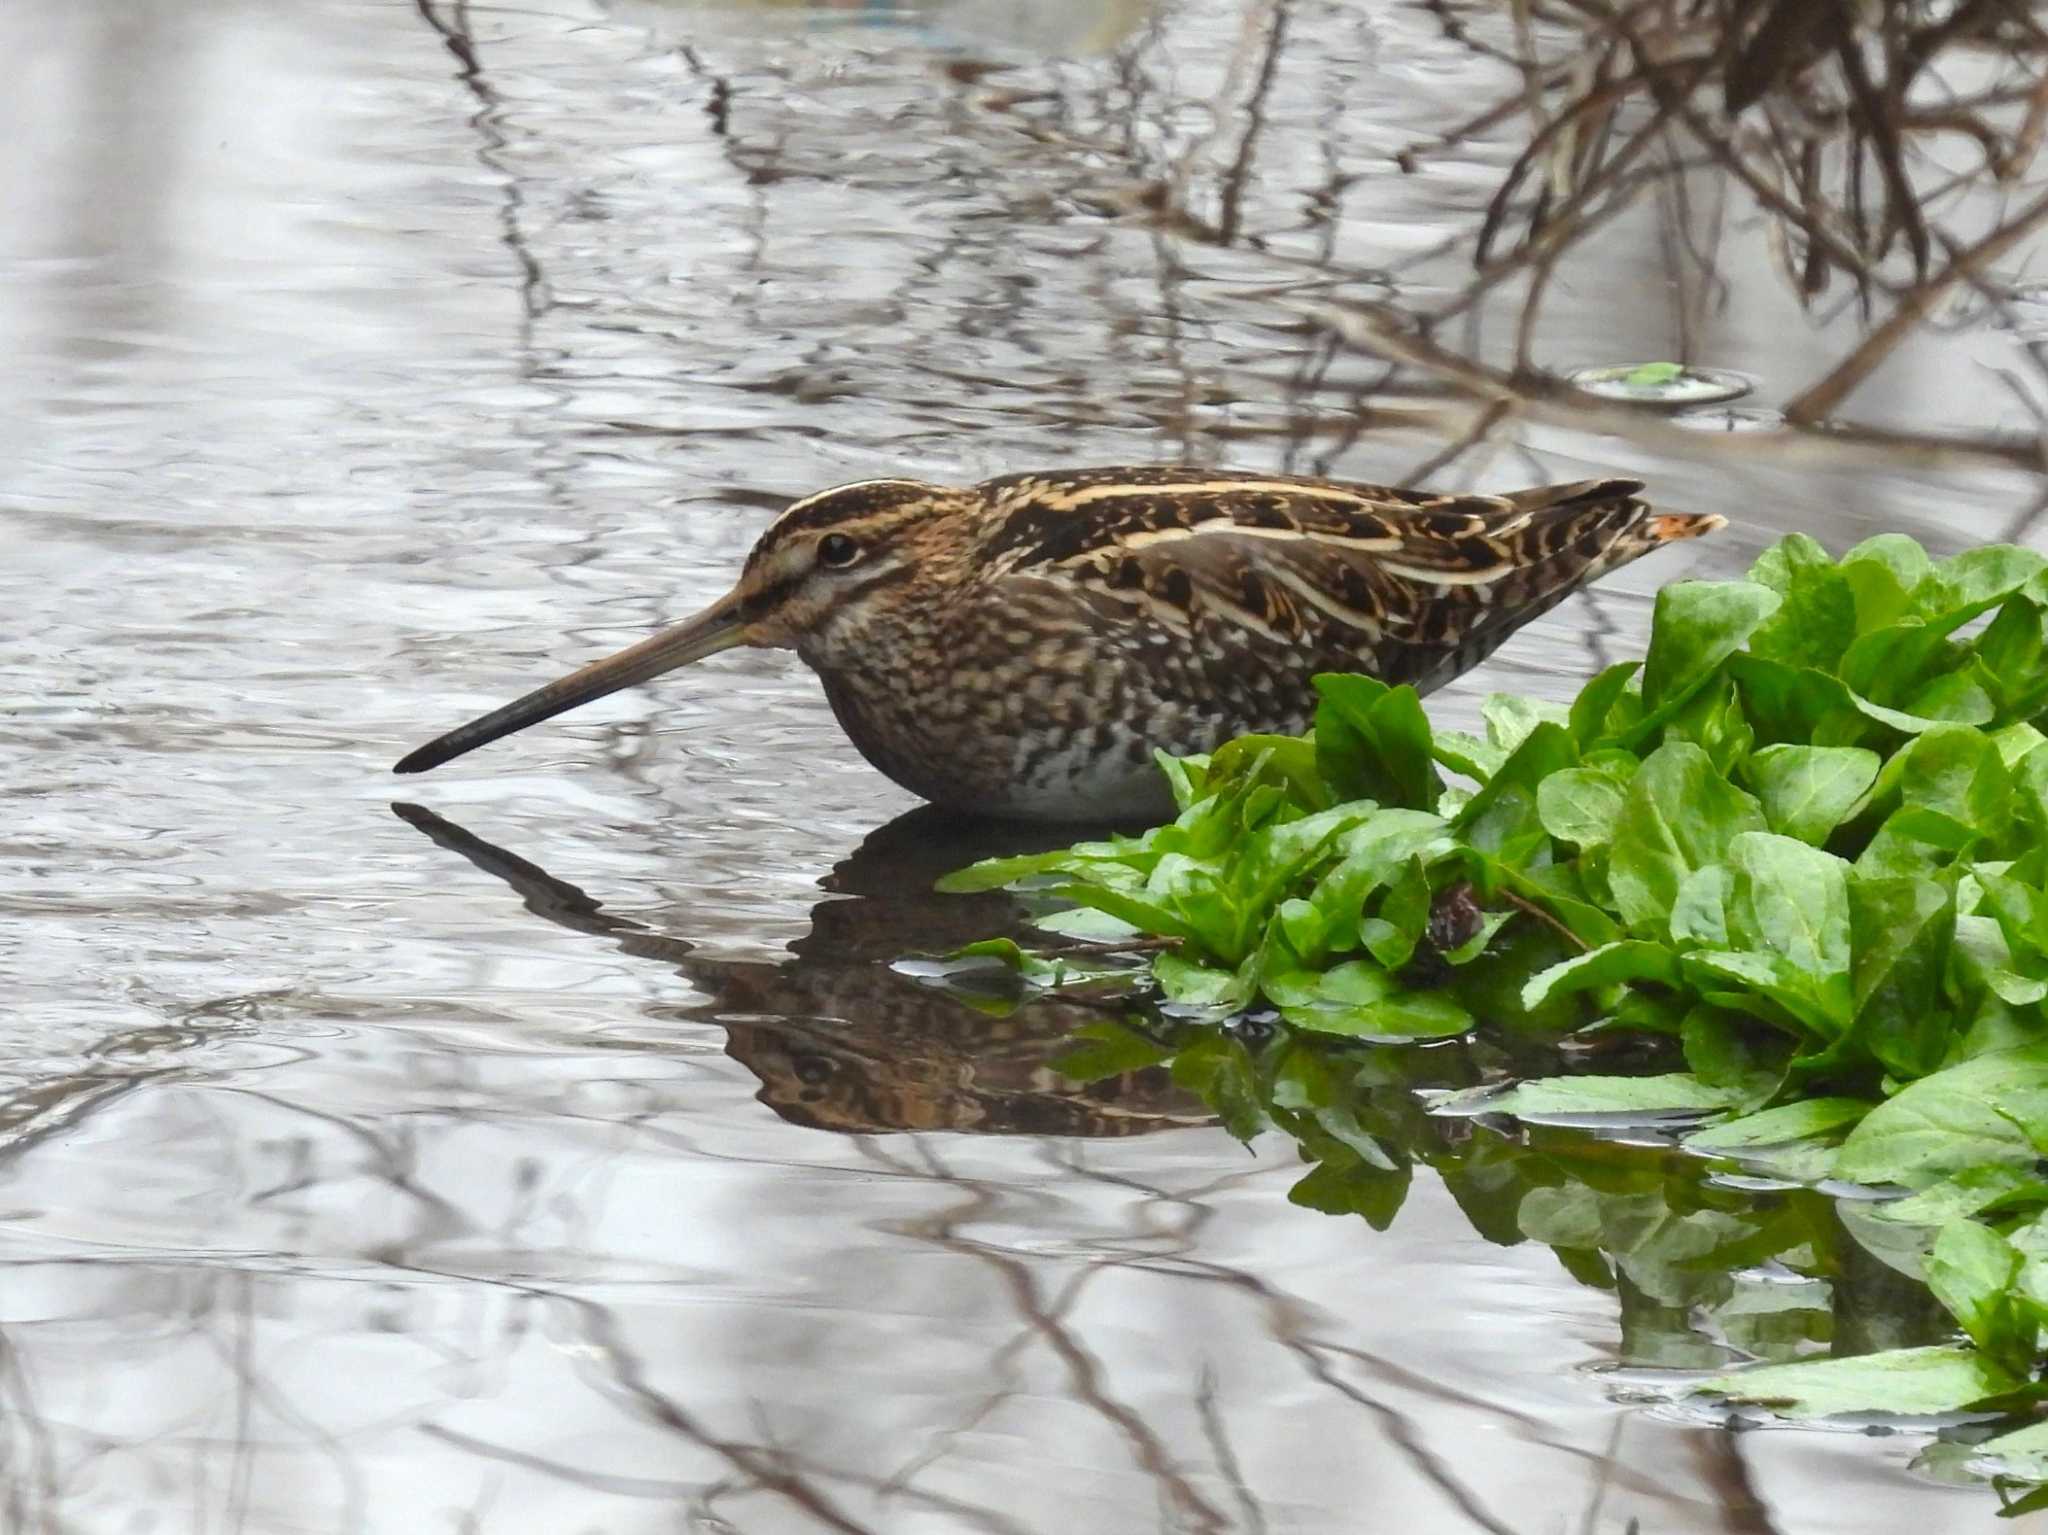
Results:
[719, 627]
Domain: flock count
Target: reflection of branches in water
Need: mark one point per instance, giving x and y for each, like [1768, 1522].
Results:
[459, 39]
[1169, 1243]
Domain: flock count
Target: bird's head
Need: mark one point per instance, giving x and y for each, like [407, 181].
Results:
[818, 581]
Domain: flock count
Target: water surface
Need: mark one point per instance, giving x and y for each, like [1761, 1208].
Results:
[561, 1153]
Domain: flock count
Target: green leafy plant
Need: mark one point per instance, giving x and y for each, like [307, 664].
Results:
[1804, 842]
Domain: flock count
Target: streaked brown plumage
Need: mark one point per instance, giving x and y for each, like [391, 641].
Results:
[1020, 647]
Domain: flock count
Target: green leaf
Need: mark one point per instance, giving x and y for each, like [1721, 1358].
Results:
[1559, 1096]
[1404, 1015]
[1510, 718]
[1699, 917]
[1579, 805]
[998, 873]
[1351, 984]
[1628, 960]
[1653, 375]
[1463, 752]
[1592, 712]
[1677, 816]
[1793, 900]
[1546, 749]
[1698, 625]
[1807, 791]
[1787, 1122]
[1971, 1271]
[1723, 1050]
[1818, 620]
[1967, 1193]
[1370, 854]
[1990, 1109]
[1197, 985]
[2021, 1455]
[1975, 581]
[1148, 916]
[1792, 557]
[1373, 742]
[1900, 933]
[1740, 978]
[1909, 1381]
[1402, 916]
[1883, 572]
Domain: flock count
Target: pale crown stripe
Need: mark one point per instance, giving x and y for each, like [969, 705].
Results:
[1066, 500]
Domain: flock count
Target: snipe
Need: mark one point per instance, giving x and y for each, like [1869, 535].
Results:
[1019, 648]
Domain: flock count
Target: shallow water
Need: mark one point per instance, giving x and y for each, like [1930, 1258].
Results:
[564, 1154]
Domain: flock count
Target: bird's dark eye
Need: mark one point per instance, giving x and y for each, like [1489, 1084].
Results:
[837, 549]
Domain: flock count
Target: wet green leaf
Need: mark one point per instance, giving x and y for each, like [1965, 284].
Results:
[1677, 816]
[1373, 742]
[1787, 1122]
[1904, 1380]
[1510, 718]
[1969, 1192]
[1402, 916]
[2021, 1454]
[1397, 1016]
[1555, 1096]
[1193, 984]
[1989, 1110]
[1971, 1272]
[1593, 714]
[1629, 960]
[1975, 581]
[1900, 931]
[1579, 805]
[1697, 626]
[1807, 791]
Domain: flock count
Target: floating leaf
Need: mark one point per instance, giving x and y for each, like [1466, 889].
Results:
[1900, 1380]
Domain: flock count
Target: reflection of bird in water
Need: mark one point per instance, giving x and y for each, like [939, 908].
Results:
[841, 1041]
[1021, 647]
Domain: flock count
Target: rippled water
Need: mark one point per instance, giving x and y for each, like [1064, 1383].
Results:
[535, 1159]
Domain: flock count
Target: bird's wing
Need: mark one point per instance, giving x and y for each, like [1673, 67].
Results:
[1409, 584]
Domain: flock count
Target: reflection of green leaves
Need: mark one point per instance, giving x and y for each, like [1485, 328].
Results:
[1100, 1050]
